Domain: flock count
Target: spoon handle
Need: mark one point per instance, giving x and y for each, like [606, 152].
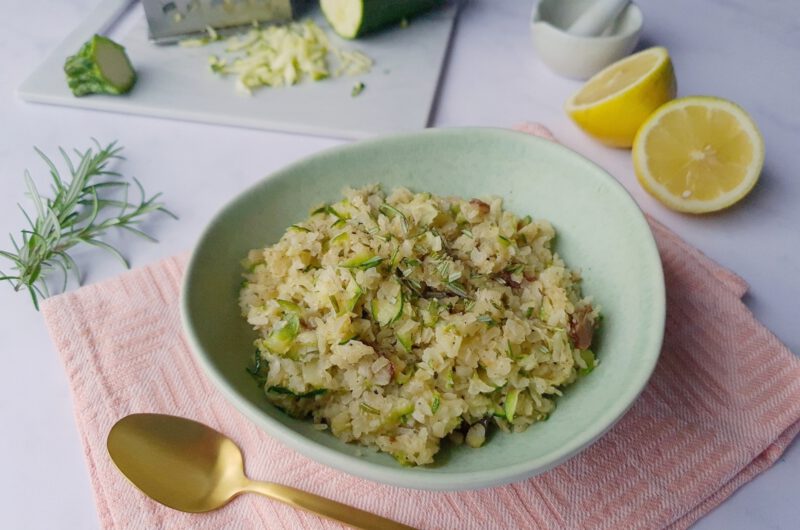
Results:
[324, 507]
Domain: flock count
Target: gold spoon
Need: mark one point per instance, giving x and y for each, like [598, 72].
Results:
[191, 467]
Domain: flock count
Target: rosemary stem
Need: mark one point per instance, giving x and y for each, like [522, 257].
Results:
[80, 211]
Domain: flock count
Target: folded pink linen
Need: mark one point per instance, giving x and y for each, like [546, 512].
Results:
[721, 407]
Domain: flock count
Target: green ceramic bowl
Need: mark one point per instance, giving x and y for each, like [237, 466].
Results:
[600, 230]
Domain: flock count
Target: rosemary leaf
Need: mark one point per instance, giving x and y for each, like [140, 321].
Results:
[486, 319]
[456, 288]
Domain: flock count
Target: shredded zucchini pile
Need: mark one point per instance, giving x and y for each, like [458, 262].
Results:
[282, 55]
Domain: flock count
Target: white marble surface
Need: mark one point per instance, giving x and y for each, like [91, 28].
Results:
[738, 49]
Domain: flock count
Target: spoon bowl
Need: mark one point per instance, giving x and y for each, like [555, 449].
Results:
[176, 461]
[190, 467]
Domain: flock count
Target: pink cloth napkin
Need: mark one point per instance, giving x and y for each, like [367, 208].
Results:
[722, 406]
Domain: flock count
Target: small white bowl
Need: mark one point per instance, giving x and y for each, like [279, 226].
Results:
[579, 57]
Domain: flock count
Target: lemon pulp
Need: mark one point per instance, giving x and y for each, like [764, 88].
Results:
[698, 154]
[615, 79]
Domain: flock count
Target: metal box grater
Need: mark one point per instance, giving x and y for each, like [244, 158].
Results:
[172, 20]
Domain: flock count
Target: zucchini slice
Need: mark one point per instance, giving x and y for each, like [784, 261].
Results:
[405, 341]
[280, 340]
[510, 406]
[362, 261]
[289, 306]
[389, 306]
[589, 358]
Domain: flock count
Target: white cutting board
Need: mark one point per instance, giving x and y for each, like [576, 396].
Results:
[176, 82]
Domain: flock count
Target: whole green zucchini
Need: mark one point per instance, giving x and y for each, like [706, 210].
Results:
[353, 18]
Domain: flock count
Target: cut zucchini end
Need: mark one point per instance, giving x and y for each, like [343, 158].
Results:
[99, 67]
[344, 16]
[114, 64]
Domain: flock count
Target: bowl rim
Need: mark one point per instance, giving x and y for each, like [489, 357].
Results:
[412, 477]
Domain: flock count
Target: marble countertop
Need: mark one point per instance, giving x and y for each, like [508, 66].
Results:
[745, 51]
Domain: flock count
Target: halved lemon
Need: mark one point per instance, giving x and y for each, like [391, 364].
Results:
[616, 101]
[698, 154]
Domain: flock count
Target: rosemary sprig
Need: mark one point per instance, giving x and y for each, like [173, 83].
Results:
[80, 211]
